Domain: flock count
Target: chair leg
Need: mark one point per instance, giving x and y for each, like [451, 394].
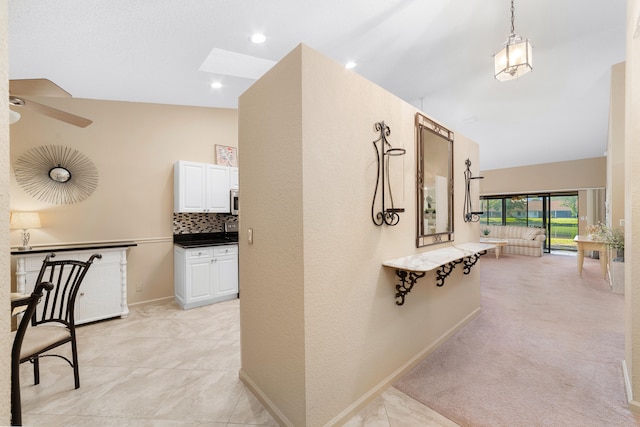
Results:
[74, 355]
[36, 370]
[16, 407]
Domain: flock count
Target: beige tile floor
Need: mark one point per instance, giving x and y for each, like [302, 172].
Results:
[163, 366]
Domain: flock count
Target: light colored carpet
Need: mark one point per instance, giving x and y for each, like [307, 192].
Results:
[546, 350]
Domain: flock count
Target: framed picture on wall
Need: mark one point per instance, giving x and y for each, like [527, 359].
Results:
[226, 156]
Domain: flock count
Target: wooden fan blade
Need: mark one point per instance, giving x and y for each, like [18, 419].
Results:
[36, 87]
[57, 114]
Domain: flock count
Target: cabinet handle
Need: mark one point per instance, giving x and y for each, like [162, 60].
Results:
[81, 294]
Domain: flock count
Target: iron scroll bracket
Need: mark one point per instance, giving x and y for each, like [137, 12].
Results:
[471, 261]
[444, 271]
[409, 278]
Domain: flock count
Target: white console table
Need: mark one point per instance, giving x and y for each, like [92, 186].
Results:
[410, 268]
[103, 293]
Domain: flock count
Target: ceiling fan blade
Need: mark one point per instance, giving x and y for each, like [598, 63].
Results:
[56, 114]
[36, 87]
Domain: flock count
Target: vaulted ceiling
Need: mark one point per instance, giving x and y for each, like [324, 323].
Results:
[435, 54]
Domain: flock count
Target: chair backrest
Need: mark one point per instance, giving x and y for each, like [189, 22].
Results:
[27, 315]
[66, 277]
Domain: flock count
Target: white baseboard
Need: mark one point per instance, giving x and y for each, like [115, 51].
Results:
[627, 381]
[280, 418]
[634, 406]
[150, 301]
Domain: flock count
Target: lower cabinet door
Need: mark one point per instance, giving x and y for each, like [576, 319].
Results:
[227, 275]
[97, 295]
[199, 279]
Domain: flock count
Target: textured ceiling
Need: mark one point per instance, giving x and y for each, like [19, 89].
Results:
[435, 54]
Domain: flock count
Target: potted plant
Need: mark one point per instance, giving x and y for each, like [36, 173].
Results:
[485, 232]
[596, 231]
[614, 237]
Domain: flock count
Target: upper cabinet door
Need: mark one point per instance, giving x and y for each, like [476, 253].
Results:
[218, 196]
[189, 187]
[233, 178]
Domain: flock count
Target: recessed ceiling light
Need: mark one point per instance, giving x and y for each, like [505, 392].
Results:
[216, 85]
[349, 65]
[258, 38]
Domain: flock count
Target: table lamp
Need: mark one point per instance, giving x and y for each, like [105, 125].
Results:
[25, 221]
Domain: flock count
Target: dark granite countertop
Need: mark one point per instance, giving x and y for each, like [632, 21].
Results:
[197, 240]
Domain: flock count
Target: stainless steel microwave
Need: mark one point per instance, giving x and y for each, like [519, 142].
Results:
[235, 202]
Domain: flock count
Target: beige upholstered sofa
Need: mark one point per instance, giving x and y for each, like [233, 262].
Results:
[522, 240]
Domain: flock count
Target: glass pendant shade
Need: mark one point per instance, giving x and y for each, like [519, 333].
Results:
[514, 60]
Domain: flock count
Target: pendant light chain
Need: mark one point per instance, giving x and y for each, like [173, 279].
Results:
[513, 12]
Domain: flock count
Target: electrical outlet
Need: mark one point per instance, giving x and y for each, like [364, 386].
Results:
[139, 287]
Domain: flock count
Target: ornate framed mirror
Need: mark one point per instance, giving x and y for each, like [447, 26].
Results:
[434, 183]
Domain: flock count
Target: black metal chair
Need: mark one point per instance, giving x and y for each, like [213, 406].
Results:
[53, 322]
[30, 301]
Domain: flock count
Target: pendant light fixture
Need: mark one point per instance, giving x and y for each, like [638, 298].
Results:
[515, 59]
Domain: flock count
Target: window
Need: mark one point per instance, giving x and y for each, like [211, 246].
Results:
[556, 213]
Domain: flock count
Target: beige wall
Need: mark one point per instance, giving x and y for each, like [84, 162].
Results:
[548, 177]
[632, 206]
[615, 149]
[271, 269]
[5, 324]
[134, 147]
[320, 331]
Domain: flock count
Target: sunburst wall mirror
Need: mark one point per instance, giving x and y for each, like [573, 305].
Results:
[56, 174]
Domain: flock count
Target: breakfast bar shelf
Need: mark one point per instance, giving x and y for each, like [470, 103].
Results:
[411, 268]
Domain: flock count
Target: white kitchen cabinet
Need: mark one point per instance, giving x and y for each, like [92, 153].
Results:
[103, 292]
[205, 275]
[201, 187]
[233, 178]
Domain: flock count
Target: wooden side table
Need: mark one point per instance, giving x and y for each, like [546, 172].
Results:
[585, 243]
[499, 243]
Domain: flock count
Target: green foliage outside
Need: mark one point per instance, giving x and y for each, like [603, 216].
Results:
[570, 202]
[562, 235]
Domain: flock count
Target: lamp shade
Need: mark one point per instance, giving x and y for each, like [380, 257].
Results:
[514, 60]
[25, 220]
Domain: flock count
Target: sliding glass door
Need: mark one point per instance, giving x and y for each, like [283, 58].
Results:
[563, 221]
[556, 213]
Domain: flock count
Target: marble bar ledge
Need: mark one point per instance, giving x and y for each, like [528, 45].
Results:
[412, 267]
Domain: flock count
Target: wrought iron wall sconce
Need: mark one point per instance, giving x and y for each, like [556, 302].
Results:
[469, 214]
[386, 215]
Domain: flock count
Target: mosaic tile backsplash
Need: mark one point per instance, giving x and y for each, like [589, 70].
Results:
[187, 223]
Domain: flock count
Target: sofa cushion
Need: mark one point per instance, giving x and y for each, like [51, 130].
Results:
[524, 242]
